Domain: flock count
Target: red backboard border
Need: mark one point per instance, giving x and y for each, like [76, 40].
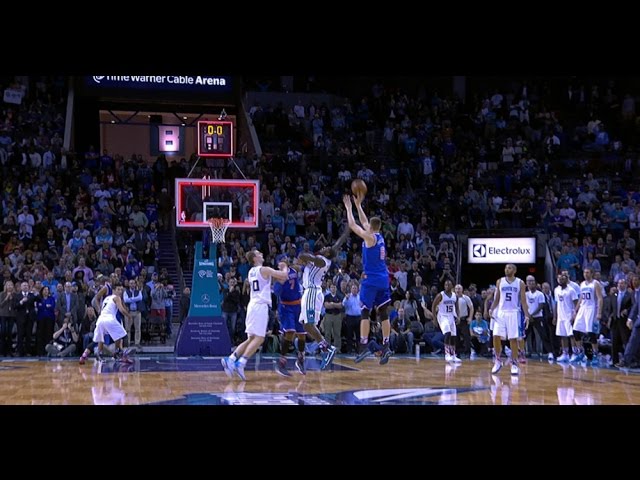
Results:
[216, 183]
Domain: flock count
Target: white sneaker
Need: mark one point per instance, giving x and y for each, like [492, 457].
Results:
[574, 358]
[472, 355]
[514, 369]
[563, 358]
[455, 359]
[447, 357]
[496, 367]
[550, 357]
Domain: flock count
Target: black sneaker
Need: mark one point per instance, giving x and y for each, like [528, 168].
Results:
[386, 354]
[300, 365]
[281, 368]
[365, 351]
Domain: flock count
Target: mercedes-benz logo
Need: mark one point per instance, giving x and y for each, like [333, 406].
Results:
[98, 78]
[479, 250]
[205, 298]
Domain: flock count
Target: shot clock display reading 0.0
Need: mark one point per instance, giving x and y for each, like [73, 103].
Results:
[215, 138]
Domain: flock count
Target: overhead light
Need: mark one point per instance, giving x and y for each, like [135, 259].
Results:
[113, 121]
[183, 124]
[184, 118]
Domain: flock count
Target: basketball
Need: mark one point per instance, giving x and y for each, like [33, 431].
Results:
[358, 187]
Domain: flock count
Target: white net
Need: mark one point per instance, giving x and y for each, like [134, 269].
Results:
[218, 228]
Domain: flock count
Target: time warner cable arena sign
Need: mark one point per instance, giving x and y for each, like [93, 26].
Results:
[160, 82]
[502, 250]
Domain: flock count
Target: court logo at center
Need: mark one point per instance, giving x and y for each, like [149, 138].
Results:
[235, 395]
[480, 250]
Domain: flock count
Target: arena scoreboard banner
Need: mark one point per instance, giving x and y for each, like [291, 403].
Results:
[502, 250]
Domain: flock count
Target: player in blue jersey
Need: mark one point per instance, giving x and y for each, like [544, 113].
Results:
[374, 289]
[289, 293]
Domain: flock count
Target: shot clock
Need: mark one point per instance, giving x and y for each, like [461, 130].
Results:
[215, 138]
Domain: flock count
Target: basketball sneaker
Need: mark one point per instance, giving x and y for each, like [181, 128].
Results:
[386, 355]
[83, 359]
[497, 365]
[239, 369]
[228, 366]
[281, 368]
[563, 358]
[522, 358]
[515, 370]
[365, 351]
[327, 357]
[300, 365]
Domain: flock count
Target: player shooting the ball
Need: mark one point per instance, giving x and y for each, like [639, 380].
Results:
[374, 290]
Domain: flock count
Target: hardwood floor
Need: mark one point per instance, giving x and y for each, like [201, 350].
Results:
[408, 381]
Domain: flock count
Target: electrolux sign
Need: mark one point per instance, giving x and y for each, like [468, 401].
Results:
[160, 82]
[502, 250]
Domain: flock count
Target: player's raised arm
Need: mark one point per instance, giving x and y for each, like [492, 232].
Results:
[282, 265]
[369, 238]
[309, 258]
[343, 238]
[98, 298]
[357, 200]
[282, 274]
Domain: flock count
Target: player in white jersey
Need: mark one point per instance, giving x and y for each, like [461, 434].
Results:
[107, 323]
[571, 283]
[509, 299]
[257, 313]
[445, 306]
[588, 315]
[563, 315]
[315, 268]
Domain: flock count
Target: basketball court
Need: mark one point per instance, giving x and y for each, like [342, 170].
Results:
[170, 380]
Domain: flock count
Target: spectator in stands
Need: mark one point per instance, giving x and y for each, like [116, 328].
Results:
[134, 301]
[7, 318]
[46, 317]
[64, 341]
[67, 306]
[24, 306]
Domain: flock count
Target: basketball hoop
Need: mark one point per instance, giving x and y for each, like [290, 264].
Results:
[218, 228]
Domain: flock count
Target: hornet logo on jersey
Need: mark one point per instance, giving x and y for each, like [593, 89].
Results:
[98, 78]
[479, 250]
